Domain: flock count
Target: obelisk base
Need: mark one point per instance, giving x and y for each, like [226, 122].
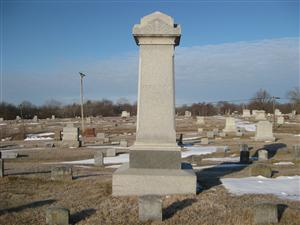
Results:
[131, 181]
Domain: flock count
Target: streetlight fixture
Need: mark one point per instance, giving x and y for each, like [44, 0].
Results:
[81, 97]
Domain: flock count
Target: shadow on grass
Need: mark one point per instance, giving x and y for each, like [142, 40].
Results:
[27, 206]
[271, 148]
[28, 173]
[211, 177]
[281, 208]
[177, 206]
[82, 215]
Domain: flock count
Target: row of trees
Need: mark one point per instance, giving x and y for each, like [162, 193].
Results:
[261, 100]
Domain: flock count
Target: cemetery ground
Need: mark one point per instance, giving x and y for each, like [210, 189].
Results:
[27, 191]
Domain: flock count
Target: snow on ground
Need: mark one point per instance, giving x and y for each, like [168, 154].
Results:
[40, 136]
[283, 163]
[245, 124]
[283, 187]
[224, 159]
[199, 150]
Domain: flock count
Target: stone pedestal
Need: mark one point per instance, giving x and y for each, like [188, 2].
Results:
[71, 136]
[155, 157]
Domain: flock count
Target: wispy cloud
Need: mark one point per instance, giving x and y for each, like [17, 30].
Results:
[211, 72]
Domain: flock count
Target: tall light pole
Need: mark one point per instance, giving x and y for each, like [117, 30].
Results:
[273, 100]
[81, 97]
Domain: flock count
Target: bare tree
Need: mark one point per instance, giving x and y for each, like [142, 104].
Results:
[294, 97]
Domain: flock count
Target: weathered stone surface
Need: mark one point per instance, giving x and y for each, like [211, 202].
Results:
[111, 152]
[125, 114]
[204, 141]
[265, 213]
[200, 120]
[297, 152]
[280, 120]
[263, 155]
[187, 114]
[100, 135]
[260, 115]
[98, 157]
[261, 169]
[57, 216]
[138, 182]
[210, 134]
[149, 159]
[230, 126]
[123, 143]
[156, 36]
[150, 208]
[62, 173]
[1, 168]
[246, 113]
[264, 131]
[70, 136]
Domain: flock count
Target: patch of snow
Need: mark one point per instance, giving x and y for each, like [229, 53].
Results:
[199, 150]
[122, 158]
[224, 159]
[40, 136]
[283, 187]
[297, 135]
[3, 124]
[283, 163]
[245, 124]
[113, 166]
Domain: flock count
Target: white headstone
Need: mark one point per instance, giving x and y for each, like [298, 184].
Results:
[264, 131]
[246, 113]
[187, 114]
[280, 120]
[200, 120]
[230, 126]
[260, 115]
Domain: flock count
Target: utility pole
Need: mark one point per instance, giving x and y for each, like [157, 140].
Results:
[273, 101]
[81, 97]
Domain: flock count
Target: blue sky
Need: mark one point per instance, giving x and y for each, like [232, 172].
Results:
[228, 49]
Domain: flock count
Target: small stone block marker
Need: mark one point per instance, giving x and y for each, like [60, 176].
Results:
[57, 216]
[150, 208]
[265, 213]
[261, 169]
[61, 173]
[111, 152]
[1, 168]
[262, 155]
[98, 157]
[297, 152]
[204, 141]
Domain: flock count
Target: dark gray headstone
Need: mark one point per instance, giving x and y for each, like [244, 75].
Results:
[244, 157]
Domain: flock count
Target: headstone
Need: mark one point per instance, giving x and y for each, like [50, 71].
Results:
[200, 130]
[244, 157]
[61, 173]
[125, 114]
[18, 118]
[53, 117]
[216, 131]
[264, 131]
[35, 118]
[111, 152]
[100, 135]
[210, 134]
[277, 112]
[150, 208]
[254, 112]
[200, 120]
[260, 115]
[70, 136]
[222, 134]
[88, 120]
[187, 114]
[98, 157]
[123, 143]
[155, 157]
[260, 169]
[57, 216]
[1, 119]
[280, 120]
[294, 112]
[246, 113]
[266, 213]
[297, 152]
[230, 126]
[204, 141]
[263, 155]
[244, 147]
